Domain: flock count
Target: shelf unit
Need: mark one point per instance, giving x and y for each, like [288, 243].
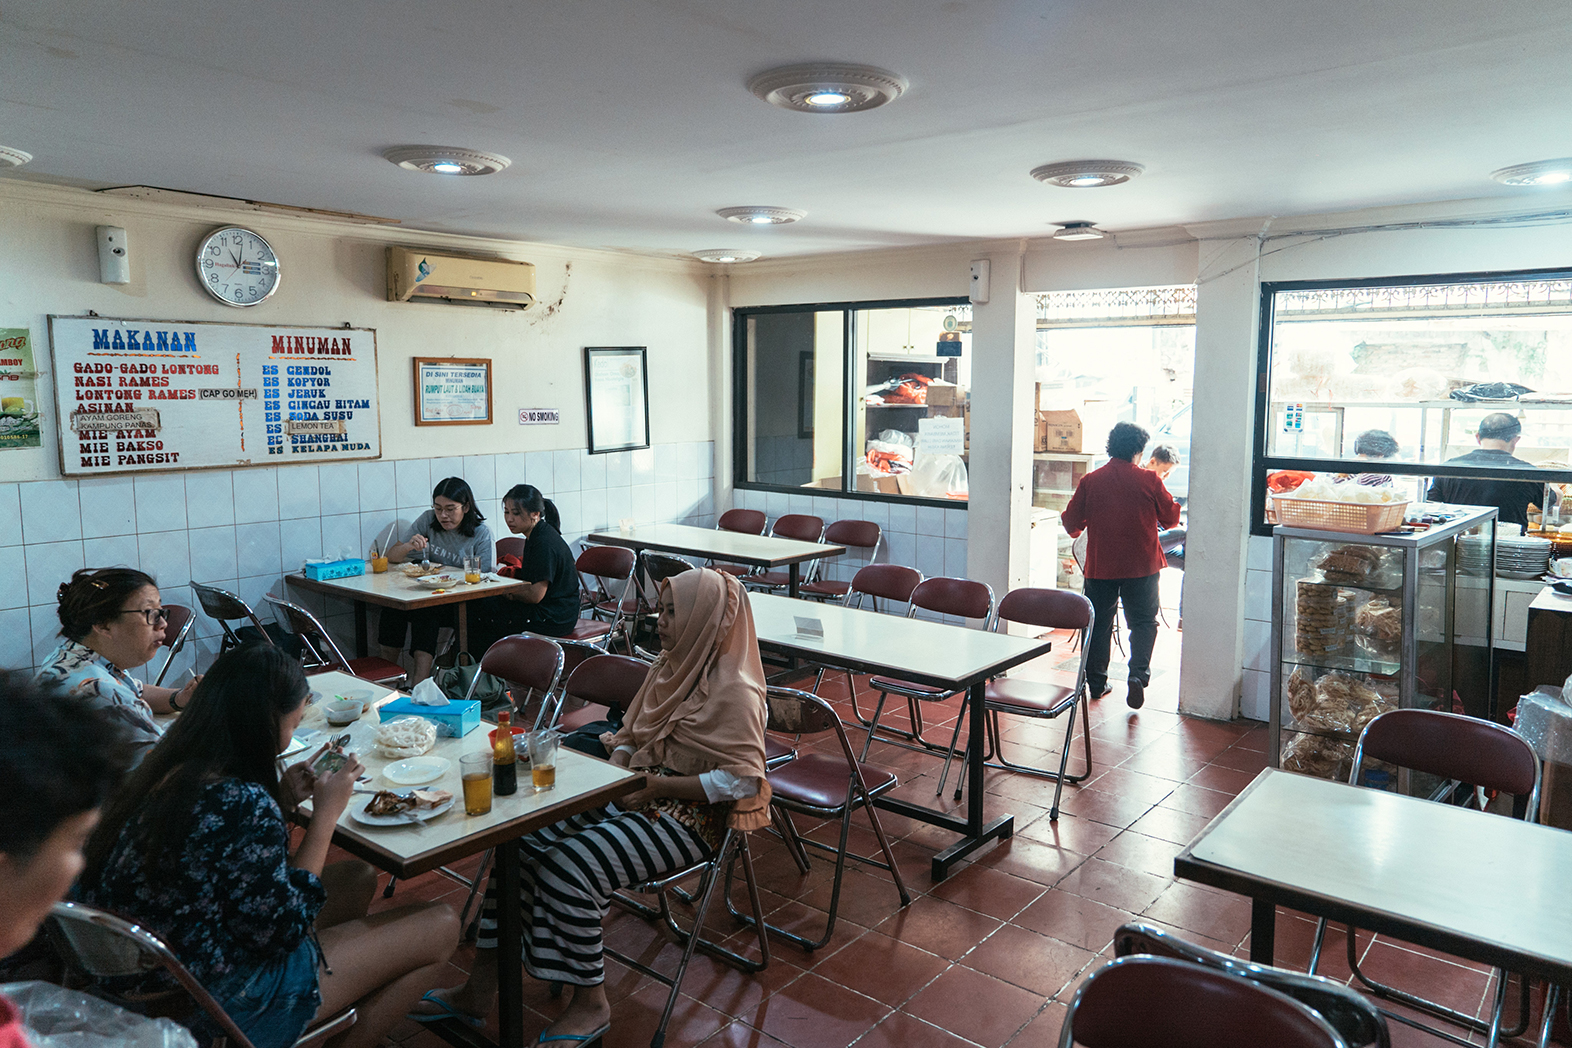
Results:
[1315, 632]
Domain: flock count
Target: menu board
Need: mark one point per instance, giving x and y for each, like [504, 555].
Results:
[150, 395]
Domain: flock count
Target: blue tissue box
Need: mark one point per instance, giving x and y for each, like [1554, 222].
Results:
[334, 569]
[456, 719]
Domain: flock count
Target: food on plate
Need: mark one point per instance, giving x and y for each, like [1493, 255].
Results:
[386, 802]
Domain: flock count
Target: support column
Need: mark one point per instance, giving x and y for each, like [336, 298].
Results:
[1227, 318]
[1003, 351]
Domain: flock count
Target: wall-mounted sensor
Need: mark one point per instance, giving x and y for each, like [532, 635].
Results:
[979, 290]
[114, 257]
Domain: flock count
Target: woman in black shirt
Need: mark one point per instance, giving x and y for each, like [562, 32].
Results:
[549, 604]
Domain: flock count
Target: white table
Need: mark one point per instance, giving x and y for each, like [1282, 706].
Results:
[933, 653]
[395, 589]
[761, 550]
[583, 783]
[1483, 887]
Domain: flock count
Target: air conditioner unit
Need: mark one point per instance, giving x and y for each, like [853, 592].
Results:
[415, 276]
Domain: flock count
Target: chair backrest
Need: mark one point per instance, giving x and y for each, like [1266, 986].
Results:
[792, 712]
[606, 562]
[885, 582]
[1053, 609]
[803, 527]
[1157, 1002]
[658, 567]
[610, 680]
[511, 546]
[746, 521]
[948, 596]
[862, 534]
[317, 648]
[524, 660]
[1454, 747]
[224, 606]
[1356, 1019]
[176, 629]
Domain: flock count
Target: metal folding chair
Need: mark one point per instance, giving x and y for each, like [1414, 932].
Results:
[803, 527]
[853, 534]
[509, 546]
[1462, 750]
[602, 569]
[892, 583]
[99, 947]
[319, 653]
[176, 629]
[605, 684]
[744, 522]
[225, 607]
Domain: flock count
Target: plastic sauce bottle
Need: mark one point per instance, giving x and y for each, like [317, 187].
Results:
[504, 762]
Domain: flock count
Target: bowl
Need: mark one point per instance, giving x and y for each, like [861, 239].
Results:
[516, 730]
[442, 581]
[340, 712]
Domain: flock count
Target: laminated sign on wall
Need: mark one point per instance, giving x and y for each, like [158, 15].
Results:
[148, 395]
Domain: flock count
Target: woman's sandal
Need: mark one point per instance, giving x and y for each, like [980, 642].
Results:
[587, 1040]
[447, 1012]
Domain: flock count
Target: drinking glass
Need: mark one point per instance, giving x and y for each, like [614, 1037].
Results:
[543, 759]
[475, 773]
[471, 570]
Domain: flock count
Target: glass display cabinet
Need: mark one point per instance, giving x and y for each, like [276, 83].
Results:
[1362, 624]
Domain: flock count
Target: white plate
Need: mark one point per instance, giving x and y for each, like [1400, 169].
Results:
[416, 770]
[443, 581]
[358, 813]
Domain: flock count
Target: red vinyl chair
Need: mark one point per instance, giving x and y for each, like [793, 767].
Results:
[511, 546]
[605, 684]
[319, 653]
[853, 534]
[944, 596]
[743, 522]
[891, 583]
[528, 664]
[803, 527]
[603, 569]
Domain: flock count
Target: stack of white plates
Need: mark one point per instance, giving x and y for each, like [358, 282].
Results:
[1473, 554]
[1522, 558]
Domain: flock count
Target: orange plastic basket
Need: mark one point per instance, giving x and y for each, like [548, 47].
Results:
[1358, 518]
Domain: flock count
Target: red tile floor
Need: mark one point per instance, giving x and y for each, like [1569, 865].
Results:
[991, 955]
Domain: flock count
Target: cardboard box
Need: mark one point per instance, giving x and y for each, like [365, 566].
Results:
[882, 485]
[1058, 431]
[456, 719]
[945, 395]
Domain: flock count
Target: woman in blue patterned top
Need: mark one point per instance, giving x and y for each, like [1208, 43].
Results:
[196, 846]
[113, 621]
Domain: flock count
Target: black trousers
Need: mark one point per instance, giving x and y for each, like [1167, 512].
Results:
[1140, 598]
[422, 625]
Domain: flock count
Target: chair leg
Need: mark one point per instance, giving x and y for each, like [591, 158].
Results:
[1440, 1011]
[474, 890]
[789, 834]
[1547, 1022]
[884, 846]
[955, 737]
[873, 725]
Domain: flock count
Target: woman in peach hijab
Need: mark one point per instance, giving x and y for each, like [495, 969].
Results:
[696, 729]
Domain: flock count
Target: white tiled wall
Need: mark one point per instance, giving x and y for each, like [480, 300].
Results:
[1255, 700]
[931, 539]
[242, 529]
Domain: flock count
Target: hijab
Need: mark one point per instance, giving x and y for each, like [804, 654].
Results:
[702, 706]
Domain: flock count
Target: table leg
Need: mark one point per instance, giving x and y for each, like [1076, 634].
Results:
[976, 833]
[360, 630]
[1263, 930]
[792, 577]
[463, 627]
[510, 941]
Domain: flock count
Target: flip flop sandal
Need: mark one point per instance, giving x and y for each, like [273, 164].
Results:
[447, 1012]
[585, 1039]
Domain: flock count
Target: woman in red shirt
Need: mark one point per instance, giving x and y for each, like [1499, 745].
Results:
[1121, 507]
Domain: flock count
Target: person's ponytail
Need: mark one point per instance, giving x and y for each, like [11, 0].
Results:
[550, 515]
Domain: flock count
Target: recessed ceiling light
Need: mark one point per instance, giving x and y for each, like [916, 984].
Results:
[1086, 174]
[1078, 231]
[725, 254]
[761, 216]
[446, 160]
[1540, 173]
[828, 87]
[13, 157]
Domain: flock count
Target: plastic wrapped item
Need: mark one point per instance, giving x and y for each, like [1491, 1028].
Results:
[939, 477]
[1545, 720]
[59, 1018]
[405, 737]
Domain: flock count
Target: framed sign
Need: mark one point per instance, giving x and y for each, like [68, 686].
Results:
[617, 394]
[136, 396]
[450, 391]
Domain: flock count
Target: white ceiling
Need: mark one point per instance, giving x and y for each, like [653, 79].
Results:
[628, 121]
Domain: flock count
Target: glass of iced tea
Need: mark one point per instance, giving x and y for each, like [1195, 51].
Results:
[475, 773]
[543, 759]
[471, 570]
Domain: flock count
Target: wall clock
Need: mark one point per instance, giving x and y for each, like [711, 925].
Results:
[237, 266]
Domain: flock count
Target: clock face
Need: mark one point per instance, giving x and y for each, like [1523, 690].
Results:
[237, 267]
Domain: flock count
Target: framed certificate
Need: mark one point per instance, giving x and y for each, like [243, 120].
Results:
[450, 391]
[617, 394]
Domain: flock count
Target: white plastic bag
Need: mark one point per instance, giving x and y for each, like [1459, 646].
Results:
[61, 1018]
[939, 477]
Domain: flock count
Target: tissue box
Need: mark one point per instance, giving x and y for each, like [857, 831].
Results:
[456, 719]
[334, 569]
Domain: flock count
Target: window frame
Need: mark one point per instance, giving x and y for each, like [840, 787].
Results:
[849, 404]
[1262, 463]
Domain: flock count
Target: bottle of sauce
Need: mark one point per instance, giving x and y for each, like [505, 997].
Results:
[504, 761]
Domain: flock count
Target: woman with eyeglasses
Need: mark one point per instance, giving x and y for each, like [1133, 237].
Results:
[449, 531]
[113, 621]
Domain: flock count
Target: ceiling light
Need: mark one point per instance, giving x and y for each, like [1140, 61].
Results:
[1078, 231]
[13, 157]
[828, 87]
[1085, 174]
[446, 160]
[725, 254]
[1540, 173]
[761, 216]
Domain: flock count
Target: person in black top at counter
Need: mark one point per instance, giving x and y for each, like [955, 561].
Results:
[549, 604]
[1498, 436]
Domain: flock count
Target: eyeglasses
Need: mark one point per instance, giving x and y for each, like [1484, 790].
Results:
[154, 616]
[448, 511]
